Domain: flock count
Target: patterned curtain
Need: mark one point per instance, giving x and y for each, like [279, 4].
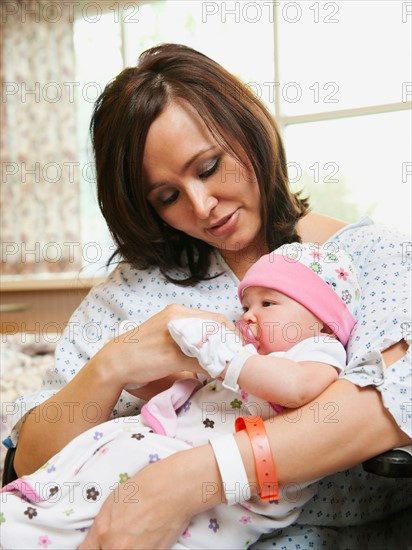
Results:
[40, 192]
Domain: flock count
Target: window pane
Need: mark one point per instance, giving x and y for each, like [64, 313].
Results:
[98, 60]
[340, 55]
[355, 166]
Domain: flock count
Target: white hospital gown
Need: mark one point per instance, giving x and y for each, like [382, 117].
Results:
[346, 502]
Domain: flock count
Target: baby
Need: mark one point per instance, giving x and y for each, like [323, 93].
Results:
[299, 308]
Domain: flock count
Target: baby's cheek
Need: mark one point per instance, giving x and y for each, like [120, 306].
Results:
[274, 339]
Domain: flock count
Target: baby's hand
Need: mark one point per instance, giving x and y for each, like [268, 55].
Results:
[210, 342]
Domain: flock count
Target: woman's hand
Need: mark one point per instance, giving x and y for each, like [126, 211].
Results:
[138, 515]
[153, 508]
[148, 352]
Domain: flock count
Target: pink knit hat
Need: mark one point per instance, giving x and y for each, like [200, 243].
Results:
[321, 279]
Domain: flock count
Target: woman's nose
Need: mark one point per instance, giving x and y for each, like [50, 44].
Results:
[202, 201]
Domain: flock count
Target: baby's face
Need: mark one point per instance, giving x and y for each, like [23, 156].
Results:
[277, 321]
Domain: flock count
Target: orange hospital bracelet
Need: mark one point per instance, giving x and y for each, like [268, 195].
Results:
[264, 463]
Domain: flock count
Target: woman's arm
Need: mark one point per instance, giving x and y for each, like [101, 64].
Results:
[85, 401]
[325, 436]
[72, 411]
[283, 381]
[140, 356]
[337, 429]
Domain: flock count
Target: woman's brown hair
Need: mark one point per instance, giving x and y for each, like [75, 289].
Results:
[239, 122]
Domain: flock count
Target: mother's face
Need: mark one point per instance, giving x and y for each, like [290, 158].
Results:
[198, 188]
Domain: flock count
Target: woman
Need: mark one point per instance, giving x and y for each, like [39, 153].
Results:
[192, 181]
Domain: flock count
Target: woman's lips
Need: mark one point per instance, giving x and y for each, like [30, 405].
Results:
[225, 225]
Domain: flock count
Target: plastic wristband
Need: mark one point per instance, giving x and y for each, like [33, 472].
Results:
[264, 463]
[232, 471]
[235, 366]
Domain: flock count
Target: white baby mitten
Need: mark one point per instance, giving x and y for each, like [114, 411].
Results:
[211, 343]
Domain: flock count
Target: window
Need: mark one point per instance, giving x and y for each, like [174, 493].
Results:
[335, 74]
[345, 74]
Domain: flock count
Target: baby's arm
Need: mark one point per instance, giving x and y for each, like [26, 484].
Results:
[309, 368]
[284, 381]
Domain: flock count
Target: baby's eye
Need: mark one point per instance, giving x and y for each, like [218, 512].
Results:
[245, 309]
[266, 303]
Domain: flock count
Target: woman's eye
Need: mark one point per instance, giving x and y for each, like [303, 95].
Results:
[169, 199]
[210, 168]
